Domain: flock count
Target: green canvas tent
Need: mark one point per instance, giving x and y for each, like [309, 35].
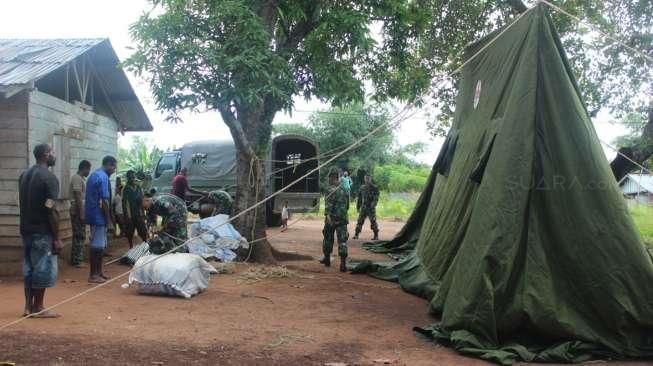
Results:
[521, 240]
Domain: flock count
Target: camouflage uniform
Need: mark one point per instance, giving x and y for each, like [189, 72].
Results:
[336, 208]
[366, 205]
[173, 213]
[222, 201]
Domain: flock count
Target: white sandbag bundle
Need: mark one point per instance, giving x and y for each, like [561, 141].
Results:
[215, 237]
[177, 274]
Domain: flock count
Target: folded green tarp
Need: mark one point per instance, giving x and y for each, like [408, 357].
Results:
[522, 241]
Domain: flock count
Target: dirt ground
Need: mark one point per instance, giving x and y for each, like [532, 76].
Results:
[317, 316]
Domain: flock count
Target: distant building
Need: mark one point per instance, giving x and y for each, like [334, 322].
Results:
[638, 187]
[69, 93]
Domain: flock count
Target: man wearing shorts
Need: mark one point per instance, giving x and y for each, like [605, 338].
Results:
[98, 215]
[39, 228]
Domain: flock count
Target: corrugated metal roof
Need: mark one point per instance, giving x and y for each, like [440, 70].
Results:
[23, 61]
[636, 183]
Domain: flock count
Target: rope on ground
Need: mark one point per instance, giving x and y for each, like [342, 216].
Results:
[402, 115]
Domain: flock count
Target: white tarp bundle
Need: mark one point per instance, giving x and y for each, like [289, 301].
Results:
[216, 237]
[177, 274]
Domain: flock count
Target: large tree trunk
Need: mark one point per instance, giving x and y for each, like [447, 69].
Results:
[251, 133]
[638, 152]
[251, 190]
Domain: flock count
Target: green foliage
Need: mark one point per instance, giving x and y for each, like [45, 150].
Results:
[242, 55]
[338, 127]
[141, 156]
[391, 206]
[401, 178]
[292, 129]
[609, 75]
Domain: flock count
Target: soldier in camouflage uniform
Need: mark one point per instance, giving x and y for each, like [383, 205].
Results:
[222, 201]
[173, 213]
[366, 205]
[335, 221]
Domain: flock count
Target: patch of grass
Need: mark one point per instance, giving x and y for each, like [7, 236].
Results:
[399, 206]
[643, 217]
[391, 206]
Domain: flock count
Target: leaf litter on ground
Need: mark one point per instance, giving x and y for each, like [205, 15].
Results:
[258, 273]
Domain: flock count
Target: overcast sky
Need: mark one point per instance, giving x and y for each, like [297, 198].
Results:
[101, 18]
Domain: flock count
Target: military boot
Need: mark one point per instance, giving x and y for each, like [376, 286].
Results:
[326, 261]
[343, 264]
[376, 235]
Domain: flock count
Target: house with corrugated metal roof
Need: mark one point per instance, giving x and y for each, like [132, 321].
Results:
[70, 93]
[638, 187]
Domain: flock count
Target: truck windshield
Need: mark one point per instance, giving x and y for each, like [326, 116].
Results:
[167, 162]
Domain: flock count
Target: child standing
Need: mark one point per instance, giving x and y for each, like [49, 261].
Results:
[284, 216]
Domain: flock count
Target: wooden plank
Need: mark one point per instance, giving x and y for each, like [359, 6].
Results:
[9, 198]
[13, 135]
[9, 184]
[9, 231]
[9, 220]
[13, 150]
[13, 163]
[13, 122]
[11, 241]
[9, 210]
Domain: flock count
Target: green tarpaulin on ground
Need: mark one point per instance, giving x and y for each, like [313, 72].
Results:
[521, 240]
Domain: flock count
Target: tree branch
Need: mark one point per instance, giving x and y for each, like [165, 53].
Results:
[268, 12]
[237, 131]
[301, 30]
[639, 152]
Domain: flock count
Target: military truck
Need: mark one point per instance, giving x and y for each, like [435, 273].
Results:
[212, 165]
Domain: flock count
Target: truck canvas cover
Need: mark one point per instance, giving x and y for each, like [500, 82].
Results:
[521, 240]
[209, 160]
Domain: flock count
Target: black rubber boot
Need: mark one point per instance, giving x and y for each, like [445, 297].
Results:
[343, 264]
[326, 261]
[376, 235]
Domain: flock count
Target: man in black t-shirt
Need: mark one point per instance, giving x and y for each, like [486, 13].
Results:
[39, 227]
